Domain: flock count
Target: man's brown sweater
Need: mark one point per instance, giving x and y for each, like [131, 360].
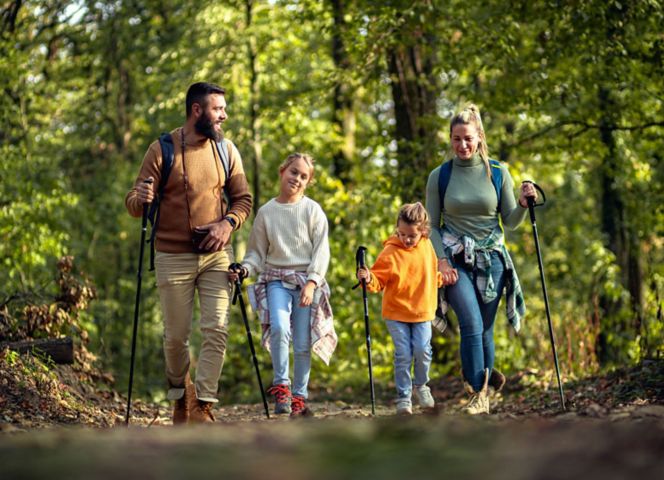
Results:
[204, 192]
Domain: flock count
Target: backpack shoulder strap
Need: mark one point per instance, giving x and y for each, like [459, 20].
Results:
[167, 157]
[497, 178]
[444, 175]
[222, 150]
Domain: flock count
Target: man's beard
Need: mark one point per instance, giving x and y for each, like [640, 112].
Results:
[204, 126]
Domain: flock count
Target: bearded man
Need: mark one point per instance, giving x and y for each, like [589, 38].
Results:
[201, 206]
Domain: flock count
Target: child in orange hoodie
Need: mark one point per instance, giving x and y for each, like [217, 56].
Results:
[407, 273]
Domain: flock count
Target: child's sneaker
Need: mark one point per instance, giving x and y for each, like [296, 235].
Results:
[282, 398]
[404, 406]
[423, 395]
[299, 407]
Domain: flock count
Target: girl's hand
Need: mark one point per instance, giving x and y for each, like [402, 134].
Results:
[450, 275]
[527, 190]
[237, 272]
[363, 274]
[307, 294]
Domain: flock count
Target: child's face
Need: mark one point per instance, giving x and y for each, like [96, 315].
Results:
[295, 177]
[409, 235]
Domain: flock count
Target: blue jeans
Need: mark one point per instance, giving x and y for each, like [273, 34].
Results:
[286, 312]
[412, 344]
[476, 320]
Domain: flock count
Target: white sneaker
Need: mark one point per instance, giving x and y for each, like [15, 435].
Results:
[404, 406]
[423, 396]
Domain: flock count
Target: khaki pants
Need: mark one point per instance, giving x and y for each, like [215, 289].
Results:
[179, 275]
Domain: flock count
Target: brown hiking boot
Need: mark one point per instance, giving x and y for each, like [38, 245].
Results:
[181, 408]
[201, 412]
[497, 380]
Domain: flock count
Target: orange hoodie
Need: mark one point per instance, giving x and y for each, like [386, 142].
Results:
[409, 278]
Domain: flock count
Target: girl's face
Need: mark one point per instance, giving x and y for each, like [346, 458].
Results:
[465, 140]
[295, 178]
[409, 235]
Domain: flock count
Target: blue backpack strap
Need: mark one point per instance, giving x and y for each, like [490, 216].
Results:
[167, 157]
[497, 179]
[444, 175]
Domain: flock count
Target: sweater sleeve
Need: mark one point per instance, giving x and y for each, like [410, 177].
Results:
[237, 188]
[510, 211]
[151, 167]
[381, 272]
[432, 203]
[254, 259]
[320, 256]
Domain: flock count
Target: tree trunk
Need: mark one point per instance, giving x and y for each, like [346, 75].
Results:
[344, 118]
[61, 350]
[621, 238]
[414, 92]
[254, 119]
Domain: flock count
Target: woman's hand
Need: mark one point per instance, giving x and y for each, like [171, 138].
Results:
[527, 191]
[307, 294]
[450, 275]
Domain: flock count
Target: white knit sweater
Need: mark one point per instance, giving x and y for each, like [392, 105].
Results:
[289, 236]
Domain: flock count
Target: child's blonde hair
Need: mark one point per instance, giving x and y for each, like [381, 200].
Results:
[415, 214]
[308, 159]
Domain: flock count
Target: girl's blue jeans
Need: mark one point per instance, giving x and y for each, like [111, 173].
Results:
[476, 320]
[412, 345]
[285, 311]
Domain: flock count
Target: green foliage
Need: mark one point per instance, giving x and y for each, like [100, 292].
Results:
[569, 98]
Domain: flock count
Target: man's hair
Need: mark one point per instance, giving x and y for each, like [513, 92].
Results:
[198, 93]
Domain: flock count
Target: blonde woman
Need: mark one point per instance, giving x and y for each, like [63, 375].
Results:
[467, 198]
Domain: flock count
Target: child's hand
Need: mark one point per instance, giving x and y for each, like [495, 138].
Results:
[307, 295]
[363, 274]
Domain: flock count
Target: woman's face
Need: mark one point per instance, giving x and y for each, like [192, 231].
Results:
[295, 177]
[465, 140]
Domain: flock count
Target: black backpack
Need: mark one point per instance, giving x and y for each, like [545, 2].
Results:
[168, 155]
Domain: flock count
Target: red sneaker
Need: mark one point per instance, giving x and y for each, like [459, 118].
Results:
[282, 398]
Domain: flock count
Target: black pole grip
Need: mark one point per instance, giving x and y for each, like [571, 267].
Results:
[361, 257]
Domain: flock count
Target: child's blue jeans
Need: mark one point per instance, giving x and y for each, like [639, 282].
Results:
[412, 344]
[285, 310]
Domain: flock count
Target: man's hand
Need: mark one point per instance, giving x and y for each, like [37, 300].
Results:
[144, 192]
[219, 233]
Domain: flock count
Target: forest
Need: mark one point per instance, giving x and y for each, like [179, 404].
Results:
[571, 97]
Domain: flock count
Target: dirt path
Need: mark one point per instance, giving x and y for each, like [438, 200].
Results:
[346, 443]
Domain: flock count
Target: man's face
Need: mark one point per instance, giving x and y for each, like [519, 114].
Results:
[211, 116]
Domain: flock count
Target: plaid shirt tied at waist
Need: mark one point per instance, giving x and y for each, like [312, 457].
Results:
[477, 257]
[323, 337]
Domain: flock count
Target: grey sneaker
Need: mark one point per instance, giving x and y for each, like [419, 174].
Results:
[423, 396]
[404, 406]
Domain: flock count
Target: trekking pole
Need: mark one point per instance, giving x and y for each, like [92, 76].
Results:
[139, 278]
[531, 210]
[238, 294]
[361, 261]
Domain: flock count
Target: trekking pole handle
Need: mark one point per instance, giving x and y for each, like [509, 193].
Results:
[531, 200]
[146, 207]
[361, 259]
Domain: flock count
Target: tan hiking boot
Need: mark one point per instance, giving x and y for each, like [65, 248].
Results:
[479, 401]
[201, 412]
[181, 408]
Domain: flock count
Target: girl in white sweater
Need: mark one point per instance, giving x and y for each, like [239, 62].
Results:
[289, 250]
